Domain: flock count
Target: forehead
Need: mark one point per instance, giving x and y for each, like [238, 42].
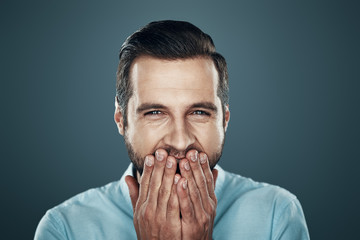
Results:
[180, 75]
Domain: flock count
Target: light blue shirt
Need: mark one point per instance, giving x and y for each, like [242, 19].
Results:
[246, 210]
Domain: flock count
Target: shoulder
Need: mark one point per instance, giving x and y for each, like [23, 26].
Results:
[91, 198]
[87, 210]
[102, 213]
[235, 186]
[245, 206]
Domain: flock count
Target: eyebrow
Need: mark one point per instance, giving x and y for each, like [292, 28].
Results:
[206, 105]
[148, 106]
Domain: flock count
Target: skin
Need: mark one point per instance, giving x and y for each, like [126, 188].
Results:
[175, 119]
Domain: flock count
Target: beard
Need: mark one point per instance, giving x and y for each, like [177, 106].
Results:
[138, 160]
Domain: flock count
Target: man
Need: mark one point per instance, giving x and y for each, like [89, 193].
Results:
[172, 109]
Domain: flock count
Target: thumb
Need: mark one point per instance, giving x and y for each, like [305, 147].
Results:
[133, 186]
[215, 175]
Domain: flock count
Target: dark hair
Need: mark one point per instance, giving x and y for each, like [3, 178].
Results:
[167, 40]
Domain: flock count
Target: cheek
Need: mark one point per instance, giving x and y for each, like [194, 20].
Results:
[144, 139]
[210, 137]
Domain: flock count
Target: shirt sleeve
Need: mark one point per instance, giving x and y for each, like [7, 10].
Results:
[290, 223]
[49, 228]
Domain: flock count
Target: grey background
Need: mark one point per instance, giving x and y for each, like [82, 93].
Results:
[294, 72]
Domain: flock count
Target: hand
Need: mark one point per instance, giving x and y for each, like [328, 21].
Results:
[155, 203]
[196, 196]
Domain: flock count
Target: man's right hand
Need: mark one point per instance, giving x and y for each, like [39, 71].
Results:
[156, 212]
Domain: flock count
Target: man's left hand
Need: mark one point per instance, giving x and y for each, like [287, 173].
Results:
[197, 196]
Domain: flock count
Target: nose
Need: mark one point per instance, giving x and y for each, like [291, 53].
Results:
[179, 136]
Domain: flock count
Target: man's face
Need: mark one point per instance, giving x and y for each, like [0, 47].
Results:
[175, 107]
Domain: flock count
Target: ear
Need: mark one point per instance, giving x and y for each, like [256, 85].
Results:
[227, 117]
[118, 117]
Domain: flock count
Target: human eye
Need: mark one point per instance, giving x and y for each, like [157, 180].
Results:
[200, 112]
[153, 113]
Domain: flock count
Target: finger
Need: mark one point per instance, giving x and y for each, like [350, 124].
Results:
[186, 206]
[133, 186]
[198, 175]
[166, 185]
[145, 178]
[173, 208]
[156, 176]
[204, 162]
[193, 189]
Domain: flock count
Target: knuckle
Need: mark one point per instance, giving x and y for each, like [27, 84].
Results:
[186, 210]
[164, 192]
[172, 205]
[211, 209]
[195, 194]
[154, 185]
[215, 201]
[159, 220]
[204, 219]
[202, 183]
[209, 180]
[148, 214]
[208, 208]
[166, 230]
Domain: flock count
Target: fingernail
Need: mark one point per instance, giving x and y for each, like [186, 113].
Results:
[194, 156]
[187, 166]
[203, 159]
[149, 161]
[168, 164]
[159, 156]
[184, 185]
[176, 179]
